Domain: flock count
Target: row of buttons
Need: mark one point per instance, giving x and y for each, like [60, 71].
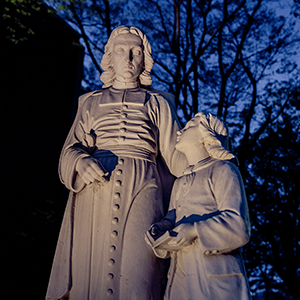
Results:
[123, 115]
[115, 221]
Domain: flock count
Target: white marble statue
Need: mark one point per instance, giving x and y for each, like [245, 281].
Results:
[119, 149]
[208, 211]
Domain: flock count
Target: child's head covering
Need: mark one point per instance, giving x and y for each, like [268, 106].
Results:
[214, 135]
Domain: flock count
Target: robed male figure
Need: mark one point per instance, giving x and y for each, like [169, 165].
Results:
[110, 164]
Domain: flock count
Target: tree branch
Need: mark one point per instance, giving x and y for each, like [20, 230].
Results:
[85, 37]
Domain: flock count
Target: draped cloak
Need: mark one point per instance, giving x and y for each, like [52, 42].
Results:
[101, 252]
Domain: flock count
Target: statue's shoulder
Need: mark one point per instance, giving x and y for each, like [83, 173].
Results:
[162, 95]
[231, 164]
[225, 169]
[89, 95]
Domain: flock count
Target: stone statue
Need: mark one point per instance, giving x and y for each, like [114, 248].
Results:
[118, 154]
[207, 221]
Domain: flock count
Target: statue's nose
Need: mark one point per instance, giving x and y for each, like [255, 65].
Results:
[129, 56]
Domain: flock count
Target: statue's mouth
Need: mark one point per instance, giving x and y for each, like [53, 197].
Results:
[129, 66]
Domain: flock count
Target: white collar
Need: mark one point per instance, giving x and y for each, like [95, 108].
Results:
[121, 85]
[199, 165]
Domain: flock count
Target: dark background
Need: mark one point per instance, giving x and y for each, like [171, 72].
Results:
[40, 82]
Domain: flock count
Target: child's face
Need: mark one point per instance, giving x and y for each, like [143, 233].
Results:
[188, 138]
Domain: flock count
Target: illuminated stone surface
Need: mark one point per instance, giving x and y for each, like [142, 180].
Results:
[209, 206]
[117, 134]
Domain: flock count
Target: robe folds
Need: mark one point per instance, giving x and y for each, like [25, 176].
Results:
[210, 195]
[101, 252]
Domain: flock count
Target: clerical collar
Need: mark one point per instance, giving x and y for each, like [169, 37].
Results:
[199, 165]
[119, 85]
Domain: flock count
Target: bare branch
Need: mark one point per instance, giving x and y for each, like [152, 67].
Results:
[164, 67]
[252, 105]
[236, 59]
[85, 37]
[166, 35]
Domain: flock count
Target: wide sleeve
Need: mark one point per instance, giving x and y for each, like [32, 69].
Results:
[76, 146]
[168, 126]
[170, 218]
[229, 229]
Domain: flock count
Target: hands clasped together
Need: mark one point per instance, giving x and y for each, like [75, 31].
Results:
[186, 232]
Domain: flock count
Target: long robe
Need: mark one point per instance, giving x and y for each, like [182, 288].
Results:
[101, 252]
[210, 195]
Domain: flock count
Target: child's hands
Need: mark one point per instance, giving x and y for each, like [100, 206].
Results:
[159, 228]
[187, 233]
[155, 230]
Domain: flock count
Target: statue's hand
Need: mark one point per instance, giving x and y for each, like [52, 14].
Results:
[159, 228]
[90, 170]
[187, 233]
[155, 230]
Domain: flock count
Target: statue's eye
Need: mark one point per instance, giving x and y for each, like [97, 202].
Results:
[119, 49]
[136, 51]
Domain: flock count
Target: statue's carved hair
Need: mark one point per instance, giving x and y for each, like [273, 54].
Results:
[108, 76]
[214, 135]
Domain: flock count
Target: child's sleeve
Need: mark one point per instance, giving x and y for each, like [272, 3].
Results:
[170, 218]
[229, 229]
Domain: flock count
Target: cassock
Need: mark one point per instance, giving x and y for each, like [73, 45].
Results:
[101, 252]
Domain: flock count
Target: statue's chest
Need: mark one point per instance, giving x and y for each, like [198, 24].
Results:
[122, 112]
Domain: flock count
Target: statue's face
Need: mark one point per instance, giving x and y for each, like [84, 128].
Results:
[188, 137]
[128, 57]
